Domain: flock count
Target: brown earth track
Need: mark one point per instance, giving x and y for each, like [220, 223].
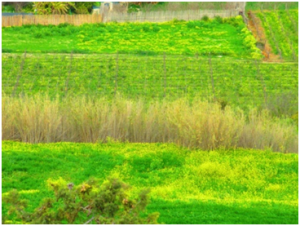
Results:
[254, 25]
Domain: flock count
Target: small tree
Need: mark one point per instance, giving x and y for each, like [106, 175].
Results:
[17, 6]
[108, 204]
[83, 7]
[46, 8]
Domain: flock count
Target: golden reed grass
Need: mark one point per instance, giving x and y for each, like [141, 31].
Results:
[195, 125]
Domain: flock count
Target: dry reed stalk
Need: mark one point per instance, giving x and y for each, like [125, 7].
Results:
[198, 124]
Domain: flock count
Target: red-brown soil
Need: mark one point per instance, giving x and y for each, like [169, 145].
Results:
[254, 25]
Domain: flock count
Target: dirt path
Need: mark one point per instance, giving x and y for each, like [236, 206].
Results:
[255, 26]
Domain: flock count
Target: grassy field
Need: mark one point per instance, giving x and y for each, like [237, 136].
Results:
[218, 36]
[223, 186]
[281, 28]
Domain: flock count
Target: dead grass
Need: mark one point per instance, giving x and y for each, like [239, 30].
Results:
[196, 125]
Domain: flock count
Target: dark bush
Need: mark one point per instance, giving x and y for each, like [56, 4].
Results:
[83, 7]
[64, 25]
[218, 19]
[85, 203]
[205, 18]
[284, 104]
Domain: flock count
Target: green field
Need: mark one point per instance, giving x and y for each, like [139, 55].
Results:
[271, 5]
[222, 186]
[218, 36]
[238, 83]
[281, 27]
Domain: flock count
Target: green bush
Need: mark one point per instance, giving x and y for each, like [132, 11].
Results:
[85, 203]
[283, 104]
[205, 18]
[82, 10]
[218, 19]
[8, 9]
[83, 7]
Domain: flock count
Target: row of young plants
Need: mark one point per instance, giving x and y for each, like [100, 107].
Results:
[218, 36]
[281, 32]
[234, 82]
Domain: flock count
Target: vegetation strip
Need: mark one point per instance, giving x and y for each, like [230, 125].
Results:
[195, 124]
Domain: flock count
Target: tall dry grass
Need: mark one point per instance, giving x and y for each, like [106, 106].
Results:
[196, 125]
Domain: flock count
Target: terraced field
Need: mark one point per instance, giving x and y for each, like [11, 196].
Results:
[281, 28]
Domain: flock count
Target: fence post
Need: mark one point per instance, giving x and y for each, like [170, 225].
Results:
[211, 76]
[145, 79]
[20, 74]
[165, 79]
[185, 81]
[262, 81]
[116, 75]
[67, 81]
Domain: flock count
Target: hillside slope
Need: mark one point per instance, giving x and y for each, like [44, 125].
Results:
[282, 31]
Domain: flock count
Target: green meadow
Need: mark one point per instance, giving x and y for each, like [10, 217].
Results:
[187, 186]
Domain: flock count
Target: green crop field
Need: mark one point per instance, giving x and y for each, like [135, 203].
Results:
[271, 5]
[236, 82]
[164, 6]
[281, 28]
[219, 37]
[187, 187]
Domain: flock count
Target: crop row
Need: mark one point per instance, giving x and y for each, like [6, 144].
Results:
[281, 32]
[238, 82]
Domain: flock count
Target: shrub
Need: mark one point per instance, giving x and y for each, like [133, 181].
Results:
[82, 10]
[82, 7]
[218, 19]
[8, 9]
[63, 25]
[205, 18]
[108, 204]
[283, 104]
[46, 8]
